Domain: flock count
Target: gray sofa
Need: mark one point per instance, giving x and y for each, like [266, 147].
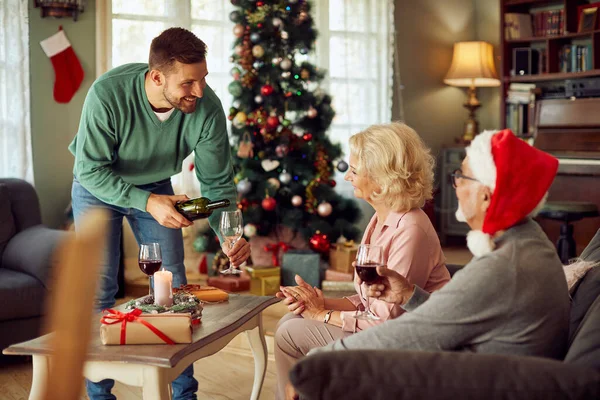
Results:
[26, 249]
[459, 375]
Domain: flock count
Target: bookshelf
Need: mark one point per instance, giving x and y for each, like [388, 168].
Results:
[562, 53]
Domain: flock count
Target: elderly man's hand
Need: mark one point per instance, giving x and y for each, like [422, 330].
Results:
[391, 287]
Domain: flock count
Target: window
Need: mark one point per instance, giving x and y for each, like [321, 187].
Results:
[355, 45]
[15, 124]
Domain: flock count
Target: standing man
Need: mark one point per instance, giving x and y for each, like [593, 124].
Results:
[138, 123]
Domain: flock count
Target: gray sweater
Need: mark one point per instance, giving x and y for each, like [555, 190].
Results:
[513, 300]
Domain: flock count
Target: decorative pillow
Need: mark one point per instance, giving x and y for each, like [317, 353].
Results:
[577, 270]
[7, 223]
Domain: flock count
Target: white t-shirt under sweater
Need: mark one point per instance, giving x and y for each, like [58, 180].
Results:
[162, 117]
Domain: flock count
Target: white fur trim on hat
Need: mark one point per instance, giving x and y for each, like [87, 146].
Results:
[480, 243]
[481, 159]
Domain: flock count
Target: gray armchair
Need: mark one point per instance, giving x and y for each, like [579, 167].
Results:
[442, 375]
[26, 249]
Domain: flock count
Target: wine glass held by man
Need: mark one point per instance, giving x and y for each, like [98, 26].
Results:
[392, 170]
[138, 123]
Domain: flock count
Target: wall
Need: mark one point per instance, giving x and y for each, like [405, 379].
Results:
[426, 32]
[54, 125]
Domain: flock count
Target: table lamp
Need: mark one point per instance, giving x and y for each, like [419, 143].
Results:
[472, 66]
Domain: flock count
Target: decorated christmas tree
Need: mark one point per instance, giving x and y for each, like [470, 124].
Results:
[284, 161]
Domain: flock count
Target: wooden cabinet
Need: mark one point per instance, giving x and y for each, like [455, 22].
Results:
[450, 159]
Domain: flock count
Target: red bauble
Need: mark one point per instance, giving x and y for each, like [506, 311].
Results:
[269, 204]
[332, 183]
[319, 243]
[307, 136]
[272, 122]
[266, 90]
[260, 4]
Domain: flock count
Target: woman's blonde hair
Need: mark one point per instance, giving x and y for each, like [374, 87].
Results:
[394, 156]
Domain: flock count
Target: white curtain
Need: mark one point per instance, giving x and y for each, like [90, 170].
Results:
[15, 126]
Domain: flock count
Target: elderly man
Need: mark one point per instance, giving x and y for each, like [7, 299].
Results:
[512, 297]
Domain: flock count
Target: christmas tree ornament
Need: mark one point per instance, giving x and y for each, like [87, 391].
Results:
[304, 74]
[236, 104]
[238, 30]
[307, 136]
[302, 17]
[296, 201]
[292, 1]
[282, 150]
[235, 88]
[239, 121]
[342, 166]
[286, 122]
[244, 186]
[266, 90]
[67, 68]
[238, 50]
[274, 184]
[258, 99]
[285, 64]
[286, 74]
[258, 51]
[277, 22]
[260, 4]
[319, 243]
[258, 64]
[268, 203]
[235, 72]
[333, 183]
[235, 16]
[255, 37]
[272, 122]
[285, 177]
[235, 2]
[303, 50]
[312, 112]
[246, 147]
[250, 230]
[324, 209]
[269, 165]
[261, 154]
[201, 243]
[285, 35]
[276, 60]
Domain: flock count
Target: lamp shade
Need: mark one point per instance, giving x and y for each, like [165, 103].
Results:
[472, 65]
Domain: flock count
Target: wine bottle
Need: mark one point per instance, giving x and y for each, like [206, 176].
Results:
[200, 208]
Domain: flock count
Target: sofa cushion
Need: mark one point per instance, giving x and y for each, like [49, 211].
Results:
[394, 374]
[585, 293]
[21, 295]
[592, 250]
[7, 223]
[585, 349]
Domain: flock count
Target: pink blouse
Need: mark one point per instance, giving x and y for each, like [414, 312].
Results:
[410, 247]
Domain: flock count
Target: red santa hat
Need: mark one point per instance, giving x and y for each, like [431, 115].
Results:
[519, 177]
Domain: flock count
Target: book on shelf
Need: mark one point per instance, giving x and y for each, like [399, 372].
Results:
[549, 22]
[520, 108]
[575, 58]
[517, 26]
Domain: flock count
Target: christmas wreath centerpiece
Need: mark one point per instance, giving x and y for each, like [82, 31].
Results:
[183, 302]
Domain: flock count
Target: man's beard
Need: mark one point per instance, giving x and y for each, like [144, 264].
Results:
[180, 104]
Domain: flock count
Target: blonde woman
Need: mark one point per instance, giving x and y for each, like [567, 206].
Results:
[392, 170]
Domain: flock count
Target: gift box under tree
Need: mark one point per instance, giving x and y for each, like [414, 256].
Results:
[305, 263]
[264, 281]
[342, 255]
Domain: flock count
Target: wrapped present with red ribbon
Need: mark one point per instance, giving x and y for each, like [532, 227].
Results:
[269, 250]
[120, 328]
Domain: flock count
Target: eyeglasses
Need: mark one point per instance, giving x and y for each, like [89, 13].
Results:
[456, 174]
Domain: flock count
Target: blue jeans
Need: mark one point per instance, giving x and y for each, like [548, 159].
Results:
[145, 229]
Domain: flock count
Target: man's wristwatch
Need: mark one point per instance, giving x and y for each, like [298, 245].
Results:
[327, 316]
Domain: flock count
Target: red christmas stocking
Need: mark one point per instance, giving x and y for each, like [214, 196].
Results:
[67, 69]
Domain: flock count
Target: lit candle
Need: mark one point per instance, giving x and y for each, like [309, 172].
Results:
[163, 295]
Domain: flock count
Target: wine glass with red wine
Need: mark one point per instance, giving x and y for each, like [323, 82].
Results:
[368, 258]
[150, 260]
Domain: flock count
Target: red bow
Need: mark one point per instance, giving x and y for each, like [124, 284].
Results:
[274, 248]
[112, 317]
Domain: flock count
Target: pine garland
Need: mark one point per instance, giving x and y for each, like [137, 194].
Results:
[183, 302]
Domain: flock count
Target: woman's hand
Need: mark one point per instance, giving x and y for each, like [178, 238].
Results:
[313, 303]
[294, 304]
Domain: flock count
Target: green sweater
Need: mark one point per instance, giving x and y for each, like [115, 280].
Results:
[121, 143]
